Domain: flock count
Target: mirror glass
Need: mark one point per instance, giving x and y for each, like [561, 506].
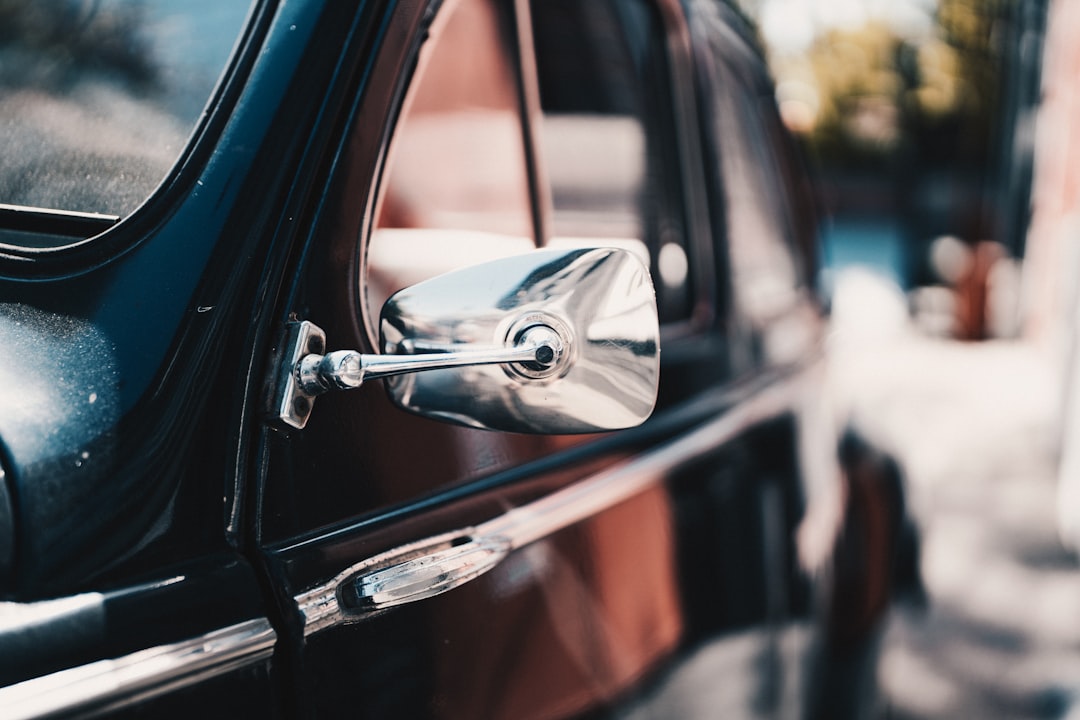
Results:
[601, 303]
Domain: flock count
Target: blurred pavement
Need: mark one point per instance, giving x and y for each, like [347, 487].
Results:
[975, 426]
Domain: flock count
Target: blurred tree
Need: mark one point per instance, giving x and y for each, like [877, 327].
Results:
[955, 108]
[877, 92]
[858, 88]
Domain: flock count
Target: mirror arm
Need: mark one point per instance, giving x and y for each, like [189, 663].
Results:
[346, 369]
[309, 374]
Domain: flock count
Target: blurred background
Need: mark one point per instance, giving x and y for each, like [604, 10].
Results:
[942, 135]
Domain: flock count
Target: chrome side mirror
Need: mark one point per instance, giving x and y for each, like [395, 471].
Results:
[552, 341]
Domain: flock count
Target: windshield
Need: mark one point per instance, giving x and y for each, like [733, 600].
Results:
[99, 97]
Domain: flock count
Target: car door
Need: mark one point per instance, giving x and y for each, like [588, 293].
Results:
[122, 279]
[175, 539]
[532, 575]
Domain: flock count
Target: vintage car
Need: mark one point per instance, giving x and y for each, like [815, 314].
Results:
[464, 361]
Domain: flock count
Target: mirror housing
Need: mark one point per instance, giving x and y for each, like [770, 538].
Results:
[551, 341]
[598, 308]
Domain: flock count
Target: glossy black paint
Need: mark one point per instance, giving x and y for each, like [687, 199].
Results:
[173, 293]
[177, 497]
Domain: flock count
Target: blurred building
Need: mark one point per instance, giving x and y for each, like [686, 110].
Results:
[1051, 259]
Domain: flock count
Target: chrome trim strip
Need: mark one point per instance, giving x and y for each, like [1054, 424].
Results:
[107, 684]
[322, 606]
[28, 210]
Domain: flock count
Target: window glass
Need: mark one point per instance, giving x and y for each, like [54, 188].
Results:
[771, 298]
[455, 189]
[98, 97]
[607, 138]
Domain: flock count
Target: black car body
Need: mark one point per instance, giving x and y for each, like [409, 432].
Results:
[169, 546]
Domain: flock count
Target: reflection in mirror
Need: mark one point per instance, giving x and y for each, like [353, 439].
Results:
[400, 257]
[601, 304]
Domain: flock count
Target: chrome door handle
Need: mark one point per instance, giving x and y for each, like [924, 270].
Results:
[424, 576]
[405, 574]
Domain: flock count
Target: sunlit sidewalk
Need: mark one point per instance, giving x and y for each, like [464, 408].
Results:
[976, 428]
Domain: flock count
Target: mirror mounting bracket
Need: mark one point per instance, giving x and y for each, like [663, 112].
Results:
[292, 403]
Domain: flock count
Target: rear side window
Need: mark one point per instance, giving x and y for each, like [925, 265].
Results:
[99, 97]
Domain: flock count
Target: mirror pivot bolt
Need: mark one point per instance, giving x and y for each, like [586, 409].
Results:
[545, 354]
[550, 340]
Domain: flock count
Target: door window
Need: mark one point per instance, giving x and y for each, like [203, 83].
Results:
[607, 136]
[768, 230]
[455, 189]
